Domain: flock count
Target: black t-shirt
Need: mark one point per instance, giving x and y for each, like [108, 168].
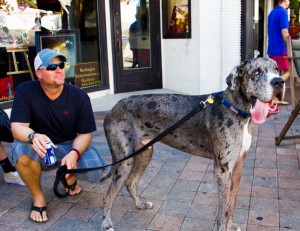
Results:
[60, 119]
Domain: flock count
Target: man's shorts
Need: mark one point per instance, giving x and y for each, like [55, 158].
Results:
[89, 159]
[282, 63]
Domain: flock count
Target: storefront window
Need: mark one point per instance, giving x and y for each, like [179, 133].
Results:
[68, 26]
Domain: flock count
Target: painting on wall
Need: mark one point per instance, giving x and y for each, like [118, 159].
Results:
[176, 18]
[66, 42]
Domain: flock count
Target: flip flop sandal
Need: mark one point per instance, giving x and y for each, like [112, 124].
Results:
[71, 188]
[37, 209]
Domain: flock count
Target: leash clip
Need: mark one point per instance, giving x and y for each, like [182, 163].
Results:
[210, 100]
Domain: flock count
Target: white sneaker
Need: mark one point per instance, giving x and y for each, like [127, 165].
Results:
[13, 177]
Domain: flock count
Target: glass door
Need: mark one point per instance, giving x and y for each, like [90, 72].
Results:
[136, 40]
[135, 34]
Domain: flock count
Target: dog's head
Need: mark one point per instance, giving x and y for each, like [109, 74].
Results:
[259, 82]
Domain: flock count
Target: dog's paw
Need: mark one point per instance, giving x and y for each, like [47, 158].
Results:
[107, 229]
[234, 228]
[107, 225]
[144, 205]
[148, 205]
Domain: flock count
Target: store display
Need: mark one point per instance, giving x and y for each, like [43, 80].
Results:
[6, 89]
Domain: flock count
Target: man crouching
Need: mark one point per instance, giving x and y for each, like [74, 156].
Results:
[50, 110]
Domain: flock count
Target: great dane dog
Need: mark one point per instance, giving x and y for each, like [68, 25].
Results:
[222, 131]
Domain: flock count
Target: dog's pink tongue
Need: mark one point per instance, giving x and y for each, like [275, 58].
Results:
[259, 112]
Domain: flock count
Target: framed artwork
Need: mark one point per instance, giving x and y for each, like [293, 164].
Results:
[176, 18]
[64, 41]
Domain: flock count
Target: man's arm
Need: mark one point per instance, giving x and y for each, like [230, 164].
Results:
[82, 142]
[21, 131]
[285, 34]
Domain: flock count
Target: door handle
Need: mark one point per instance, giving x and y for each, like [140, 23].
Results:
[119, 47]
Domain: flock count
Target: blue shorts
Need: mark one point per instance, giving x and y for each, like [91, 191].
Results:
[90, 158]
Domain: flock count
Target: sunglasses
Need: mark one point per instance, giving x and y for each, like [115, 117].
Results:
[53, 66]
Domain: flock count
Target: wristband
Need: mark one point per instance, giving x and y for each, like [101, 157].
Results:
[77, 152]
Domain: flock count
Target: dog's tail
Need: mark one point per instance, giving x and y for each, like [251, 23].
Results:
[105, 177]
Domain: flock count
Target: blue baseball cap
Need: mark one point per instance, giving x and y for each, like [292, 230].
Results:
[45, 56]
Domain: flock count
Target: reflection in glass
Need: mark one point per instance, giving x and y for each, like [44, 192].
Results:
[135, 33]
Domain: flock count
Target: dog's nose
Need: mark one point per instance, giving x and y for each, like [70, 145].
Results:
[277, 82]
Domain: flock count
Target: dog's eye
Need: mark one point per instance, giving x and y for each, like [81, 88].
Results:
[254, 74]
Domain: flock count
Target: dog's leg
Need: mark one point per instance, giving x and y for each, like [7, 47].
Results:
[141, 161]
[228, 188]
[235, 182]
[120, 175]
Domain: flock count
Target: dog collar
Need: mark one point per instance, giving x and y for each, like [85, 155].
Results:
[234, 109]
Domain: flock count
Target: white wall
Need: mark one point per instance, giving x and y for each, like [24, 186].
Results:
[181, 59]
[210, 30]
[201, 64]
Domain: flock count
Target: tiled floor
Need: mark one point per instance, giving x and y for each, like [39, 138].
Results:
[182, 188]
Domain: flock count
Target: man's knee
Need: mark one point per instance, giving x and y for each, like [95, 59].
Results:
[24, 161]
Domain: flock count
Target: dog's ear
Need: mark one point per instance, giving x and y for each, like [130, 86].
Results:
[234, 79]
[231, 78]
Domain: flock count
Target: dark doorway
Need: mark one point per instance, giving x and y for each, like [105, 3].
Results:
[253, 32]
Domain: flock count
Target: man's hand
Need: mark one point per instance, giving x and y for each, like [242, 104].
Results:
[21, 131]
[39, 144]
[70, 160]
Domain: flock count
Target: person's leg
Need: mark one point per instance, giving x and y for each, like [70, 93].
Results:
[4, 161]
[29, 167]
[91, 159]
[30, 171]
[134, 58]
[285, 75]
[2, 152]
[9, 172]
[283, 69]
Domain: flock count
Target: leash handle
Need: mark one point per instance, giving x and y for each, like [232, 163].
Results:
[60, 177]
